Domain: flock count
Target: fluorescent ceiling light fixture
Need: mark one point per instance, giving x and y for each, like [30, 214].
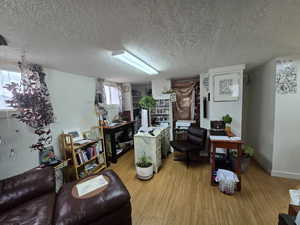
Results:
[134, 61]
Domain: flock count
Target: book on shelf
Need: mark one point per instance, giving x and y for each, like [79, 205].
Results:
[84, 155]
[89, 167]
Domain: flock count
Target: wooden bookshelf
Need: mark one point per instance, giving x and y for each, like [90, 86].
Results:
[86, 162]
[87, 158]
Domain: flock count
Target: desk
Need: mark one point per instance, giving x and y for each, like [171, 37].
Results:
[110, 139]
[293, 210]
[226, 144]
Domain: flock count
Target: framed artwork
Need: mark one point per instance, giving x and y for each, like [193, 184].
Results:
[286, 77]
[226, 87]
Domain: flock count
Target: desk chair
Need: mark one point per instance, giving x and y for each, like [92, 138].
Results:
[285, 219]
[196, 138]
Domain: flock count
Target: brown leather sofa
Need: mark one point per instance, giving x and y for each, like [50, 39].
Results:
[30, 198]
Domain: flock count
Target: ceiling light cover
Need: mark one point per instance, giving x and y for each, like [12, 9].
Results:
[134, 61]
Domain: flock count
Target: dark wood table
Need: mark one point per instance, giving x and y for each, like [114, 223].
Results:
[293, 210]
[111, 131]
[226, 144]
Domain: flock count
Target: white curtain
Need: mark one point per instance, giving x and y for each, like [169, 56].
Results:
[7, 77]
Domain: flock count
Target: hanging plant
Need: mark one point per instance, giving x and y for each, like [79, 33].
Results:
[31, 99]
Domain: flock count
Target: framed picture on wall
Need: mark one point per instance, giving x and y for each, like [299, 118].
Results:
[226, 87]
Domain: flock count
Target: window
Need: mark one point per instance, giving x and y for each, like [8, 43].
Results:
[7, 77]
[112, 95]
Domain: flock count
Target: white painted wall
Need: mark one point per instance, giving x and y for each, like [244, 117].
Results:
[286, 156]
[204, 122]
[218, 109]
[72, 97]
[158, 86]
[260, 113]
[127, 98]
[273, 122]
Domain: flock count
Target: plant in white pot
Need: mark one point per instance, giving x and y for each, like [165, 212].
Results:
[247, 154]
[144, 168]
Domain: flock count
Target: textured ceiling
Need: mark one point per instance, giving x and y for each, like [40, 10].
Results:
[178, 37]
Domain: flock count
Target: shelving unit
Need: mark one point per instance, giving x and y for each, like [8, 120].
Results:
[137, 92]
[135, 101]
[161, 112]
[116, 144]
[161, 115]
[85, 158]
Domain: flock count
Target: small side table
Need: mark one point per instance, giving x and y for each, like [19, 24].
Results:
[293, 210]
[226, 144]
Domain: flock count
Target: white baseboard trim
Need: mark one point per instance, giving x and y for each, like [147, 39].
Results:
[290, 175]
[265, 164]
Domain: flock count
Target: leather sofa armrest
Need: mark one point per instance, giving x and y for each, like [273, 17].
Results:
[285, 219]
[92, 210]
[26, 186]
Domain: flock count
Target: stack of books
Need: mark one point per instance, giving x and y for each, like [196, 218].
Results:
[84, 155]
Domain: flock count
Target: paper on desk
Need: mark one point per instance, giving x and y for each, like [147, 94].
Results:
[295, 197]
[224, 138]
[91, 185]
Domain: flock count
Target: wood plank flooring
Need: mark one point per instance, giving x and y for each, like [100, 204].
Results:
[183, 196]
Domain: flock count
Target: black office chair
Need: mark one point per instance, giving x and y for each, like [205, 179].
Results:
[285, 219]
[196, 139]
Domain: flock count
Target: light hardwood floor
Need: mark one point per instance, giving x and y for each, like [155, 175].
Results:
[183, 196]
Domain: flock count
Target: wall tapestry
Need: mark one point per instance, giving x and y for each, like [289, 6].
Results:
[31, 99]
[183, 109]
[226, 87]
[286, 77]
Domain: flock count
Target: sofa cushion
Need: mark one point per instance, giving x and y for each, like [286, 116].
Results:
[73, 211]
[38, 211]
[184, 146]
[25, 187]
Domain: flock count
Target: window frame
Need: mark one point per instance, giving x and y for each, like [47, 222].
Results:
[4, 112]
[108, 98]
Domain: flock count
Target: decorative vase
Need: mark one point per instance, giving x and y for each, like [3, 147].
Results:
[228, 129]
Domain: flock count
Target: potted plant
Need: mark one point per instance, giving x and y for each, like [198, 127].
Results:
[146, 103]
[227, 120]
[144, 168]
[247, 154]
